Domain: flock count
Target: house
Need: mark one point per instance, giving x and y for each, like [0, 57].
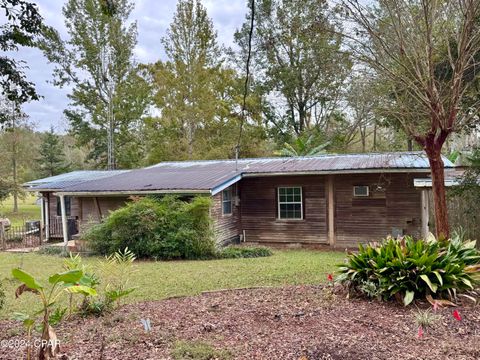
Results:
[74, 208]
[327, 200]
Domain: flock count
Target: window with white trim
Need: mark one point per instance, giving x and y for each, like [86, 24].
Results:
[227, 201]
[290, 204]
[361, 191]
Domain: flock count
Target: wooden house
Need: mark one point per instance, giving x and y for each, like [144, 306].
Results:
[319, 201]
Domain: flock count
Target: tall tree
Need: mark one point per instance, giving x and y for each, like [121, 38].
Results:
[425, 53]
[198, 97]
[298, 61]
[52, 155]
[109, 95]
[18, 147]
[23, 23]
[362, 102]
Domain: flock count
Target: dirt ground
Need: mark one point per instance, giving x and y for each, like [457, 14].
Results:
[296, 322]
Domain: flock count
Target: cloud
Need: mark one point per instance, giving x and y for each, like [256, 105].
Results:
[153, 18]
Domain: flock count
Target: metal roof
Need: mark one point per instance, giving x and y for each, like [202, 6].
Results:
[212, 176]
[62, 181]
[453, 177]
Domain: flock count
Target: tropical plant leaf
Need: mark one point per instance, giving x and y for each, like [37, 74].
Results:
[68, 277]
[24, 288]
[409, 296]
[27, 279]
[432, 286]
[439, 302]
[82, 289]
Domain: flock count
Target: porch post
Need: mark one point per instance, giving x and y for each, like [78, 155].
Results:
[47, 217]
[42, 218]
[425, 213]
[331, 211]
[64, 221]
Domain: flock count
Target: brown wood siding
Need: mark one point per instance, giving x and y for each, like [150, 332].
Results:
[259, 210]
[84, 208]
[226, 226]
[52, 206]
[393, 202]
[89, 208]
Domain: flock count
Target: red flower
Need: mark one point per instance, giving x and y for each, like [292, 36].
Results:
[330, 277]
[456, 315]
[420, 332]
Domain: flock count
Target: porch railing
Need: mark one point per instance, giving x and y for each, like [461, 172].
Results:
[55, 228]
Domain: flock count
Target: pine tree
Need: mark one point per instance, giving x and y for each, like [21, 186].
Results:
[52, 155]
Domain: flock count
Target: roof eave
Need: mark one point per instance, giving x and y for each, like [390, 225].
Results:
[133, 192]
[215, 190]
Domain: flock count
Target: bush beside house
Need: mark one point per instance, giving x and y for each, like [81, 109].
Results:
[165, 228]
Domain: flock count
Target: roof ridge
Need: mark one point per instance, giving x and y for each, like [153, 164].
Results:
[301, 157]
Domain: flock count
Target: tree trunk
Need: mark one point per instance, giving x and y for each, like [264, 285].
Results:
[439, 197]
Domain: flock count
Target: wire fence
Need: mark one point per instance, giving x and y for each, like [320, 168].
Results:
[24, 236]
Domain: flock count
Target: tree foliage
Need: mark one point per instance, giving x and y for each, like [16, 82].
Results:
[198, 96]
[97, 60]
[424, 54]
[298, 62]
[22, 25]
[52, 155]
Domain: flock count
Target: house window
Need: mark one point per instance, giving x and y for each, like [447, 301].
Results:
[361, 191]
[290, 203]
[68, 206]
[227, 201]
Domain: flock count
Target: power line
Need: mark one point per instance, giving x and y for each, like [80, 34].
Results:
[245, 90]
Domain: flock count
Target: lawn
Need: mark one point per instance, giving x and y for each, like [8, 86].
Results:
[27, 210]
[159, 280]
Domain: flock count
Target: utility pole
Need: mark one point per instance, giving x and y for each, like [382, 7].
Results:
[110, 116]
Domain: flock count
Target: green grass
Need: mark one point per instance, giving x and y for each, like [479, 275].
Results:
[27, 210]
[162, 279]
[197, 350]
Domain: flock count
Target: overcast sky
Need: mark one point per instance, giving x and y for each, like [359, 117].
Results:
[153, 18]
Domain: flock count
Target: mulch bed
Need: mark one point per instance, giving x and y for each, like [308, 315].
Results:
[295, 322]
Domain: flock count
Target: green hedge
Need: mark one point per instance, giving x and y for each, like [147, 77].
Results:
[412, 268]
[165, 228]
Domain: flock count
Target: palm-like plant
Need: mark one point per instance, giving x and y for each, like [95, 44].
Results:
[302, 147]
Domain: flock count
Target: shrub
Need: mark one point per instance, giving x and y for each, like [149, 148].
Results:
[232, 252]
[411, 268]
[115, 272]
[166, 228]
